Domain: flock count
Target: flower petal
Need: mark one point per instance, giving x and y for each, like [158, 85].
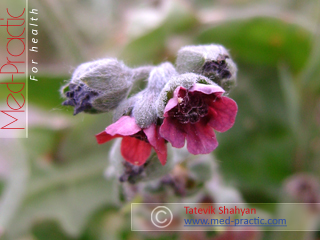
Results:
[135, 151]
[222, 113]
[173, 102]
[172, 131]
[104, 137]
[125, 126]
[206, 89]
[201, 138]
[157, 142]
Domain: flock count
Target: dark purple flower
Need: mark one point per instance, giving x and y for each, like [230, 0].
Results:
[193, 113]
[136, 142]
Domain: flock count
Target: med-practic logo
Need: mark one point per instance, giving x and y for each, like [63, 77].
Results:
[13, 71]
[161, 217]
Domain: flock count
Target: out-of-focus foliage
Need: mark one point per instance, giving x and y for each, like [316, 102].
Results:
[53, 185]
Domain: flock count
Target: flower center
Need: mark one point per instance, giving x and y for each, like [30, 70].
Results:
[141, 136]
[191, 108]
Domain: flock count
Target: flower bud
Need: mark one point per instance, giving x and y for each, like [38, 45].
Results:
[99, 86]
[212, 61]
[144, 110]
[142, 105]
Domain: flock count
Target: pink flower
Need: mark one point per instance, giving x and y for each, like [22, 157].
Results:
[136, 143]
[193, 114]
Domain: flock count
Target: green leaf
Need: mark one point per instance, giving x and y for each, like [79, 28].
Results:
[144, 49]
[151, 47]
[257, 151]
[109, 223]
[262, 41]
[66, 183]
[311, 74]
[291, 98]
[15, 186]
[49, 230]
[69, 194]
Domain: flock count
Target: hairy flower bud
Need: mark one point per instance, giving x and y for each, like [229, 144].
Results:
[212, 61]
[99, 86]
[144, 110]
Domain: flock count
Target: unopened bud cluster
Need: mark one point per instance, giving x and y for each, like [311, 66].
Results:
[104, 84]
